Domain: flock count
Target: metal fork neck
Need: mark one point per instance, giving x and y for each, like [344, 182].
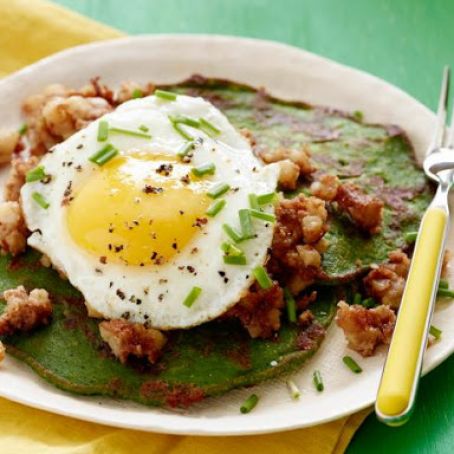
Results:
[441, 196]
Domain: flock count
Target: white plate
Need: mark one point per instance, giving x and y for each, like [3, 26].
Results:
[286, 72]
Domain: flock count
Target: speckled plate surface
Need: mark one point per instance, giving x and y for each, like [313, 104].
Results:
[286, 72]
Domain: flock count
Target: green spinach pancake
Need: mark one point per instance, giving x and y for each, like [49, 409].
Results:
[349, 195]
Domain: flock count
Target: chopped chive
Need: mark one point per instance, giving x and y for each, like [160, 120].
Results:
[358, 115]
[215, 207]
[443, 284]
[291, 305]
[22, 129]
[357, 298]
[266, 198]
[293, 389]
[435, 332]
[262, 277]
[231, 249]
[202, 124]
[247, 229]
[40, 200]
[128, 132]
[235, 259]
[318, 381]
[410, 237]
[232, 233]
[168, 95]
[226, 248]
[253, 203]
[181, 131]
[103, 131]
[188, 121]
[192, 296]
[35, 174]
[104, 155]
[249, 403]
[352, 364]
[137, 93]
[185, 149]
[208, 127]
[218, 190]
[444, 292]
[368, 303]
[263, 216]
[144, 128]
[204, 169]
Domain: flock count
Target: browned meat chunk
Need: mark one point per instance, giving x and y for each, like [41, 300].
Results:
[9, 139]
[64, 116]
[365, 210]
[299, 219]
[288, 175]
[296, 249]
[96, 89]
[325, 187]
[365, 329]
[16, 177]
[40, 139]
[386, 282]
[58, 112]
[398, 262]
[301, 157]
[132, 339]
[24, 311]
[13, 232]
[260, 310]
[305, 318]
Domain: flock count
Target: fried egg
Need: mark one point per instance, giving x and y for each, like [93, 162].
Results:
[140, 210]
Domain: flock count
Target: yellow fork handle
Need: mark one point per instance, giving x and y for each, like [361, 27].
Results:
[403, 365]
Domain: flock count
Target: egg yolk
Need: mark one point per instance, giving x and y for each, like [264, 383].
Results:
[138, 209]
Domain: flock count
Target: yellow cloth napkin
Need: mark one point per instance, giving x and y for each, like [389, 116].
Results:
[30, 30]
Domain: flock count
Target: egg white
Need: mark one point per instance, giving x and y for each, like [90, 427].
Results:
[161, 290]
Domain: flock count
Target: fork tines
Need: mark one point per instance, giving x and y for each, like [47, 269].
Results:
[441, 139]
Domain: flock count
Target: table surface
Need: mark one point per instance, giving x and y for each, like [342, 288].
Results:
[402, 41]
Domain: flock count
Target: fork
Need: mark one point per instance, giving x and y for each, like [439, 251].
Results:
[402, 370]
